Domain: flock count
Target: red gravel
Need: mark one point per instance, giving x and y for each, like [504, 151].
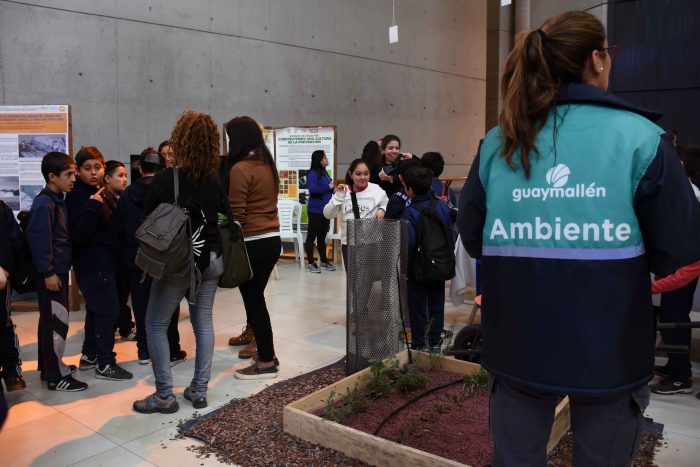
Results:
[249, 432]
[451, 422]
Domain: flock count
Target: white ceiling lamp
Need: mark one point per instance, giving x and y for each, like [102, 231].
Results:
[393, 29]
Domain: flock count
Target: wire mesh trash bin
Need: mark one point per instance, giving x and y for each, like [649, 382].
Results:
[376, 291]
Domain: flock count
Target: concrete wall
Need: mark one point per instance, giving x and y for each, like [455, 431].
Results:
[129, 67]
[540, 10]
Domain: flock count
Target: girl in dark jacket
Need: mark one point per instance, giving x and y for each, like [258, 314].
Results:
[320, 190]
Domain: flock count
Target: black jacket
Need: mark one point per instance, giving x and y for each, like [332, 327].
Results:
[47, 234]
[11, 237]
[129, 216]
[203, 202]
[92, 231]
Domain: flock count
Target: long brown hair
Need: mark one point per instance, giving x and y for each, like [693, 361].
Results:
[195, 140]
[541, 61]
[246, 141]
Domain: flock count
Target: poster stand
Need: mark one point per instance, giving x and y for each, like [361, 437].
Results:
[27, 133]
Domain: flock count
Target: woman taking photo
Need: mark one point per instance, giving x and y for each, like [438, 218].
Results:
[391, 152]
[565, 272]
[371, 200]
[195, 140]
[253, 185]
[320, 192]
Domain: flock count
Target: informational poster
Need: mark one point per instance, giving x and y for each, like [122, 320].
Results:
[27, 134]
[293, 149]
[268, 136]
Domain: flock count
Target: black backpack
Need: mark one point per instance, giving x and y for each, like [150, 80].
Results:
[25, 275]
[166, 242]
[434, 260]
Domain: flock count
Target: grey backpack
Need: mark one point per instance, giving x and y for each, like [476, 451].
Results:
[166, 243]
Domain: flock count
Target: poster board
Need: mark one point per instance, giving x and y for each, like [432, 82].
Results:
[293, 148]
[27, 134]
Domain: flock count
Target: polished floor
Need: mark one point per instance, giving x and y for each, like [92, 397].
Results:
[98, 428]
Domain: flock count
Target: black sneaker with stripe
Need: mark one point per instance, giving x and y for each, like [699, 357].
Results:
[67, 384]
[113, 372]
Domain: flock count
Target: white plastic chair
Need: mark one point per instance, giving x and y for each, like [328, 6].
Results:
[333, 235]
[289, 212]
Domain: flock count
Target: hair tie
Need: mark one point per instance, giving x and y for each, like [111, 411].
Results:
[543, 36]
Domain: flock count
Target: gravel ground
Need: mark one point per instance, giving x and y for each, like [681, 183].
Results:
[561, 456]
[249, 431]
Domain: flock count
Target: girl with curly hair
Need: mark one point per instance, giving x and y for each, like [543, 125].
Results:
[195, 140]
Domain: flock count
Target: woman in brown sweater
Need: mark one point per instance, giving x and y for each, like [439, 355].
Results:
[253, 184]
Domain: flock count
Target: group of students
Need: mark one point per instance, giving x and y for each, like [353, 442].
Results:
[411, 187]
[86, 219]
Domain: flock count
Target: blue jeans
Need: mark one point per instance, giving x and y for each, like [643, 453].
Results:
[165, 296]
[427, 309]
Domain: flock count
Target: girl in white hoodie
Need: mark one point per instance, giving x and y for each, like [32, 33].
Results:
[371, 199]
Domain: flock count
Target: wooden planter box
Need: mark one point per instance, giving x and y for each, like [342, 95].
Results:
[299, 421]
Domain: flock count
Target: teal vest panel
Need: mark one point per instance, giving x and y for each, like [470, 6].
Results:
[578, 201]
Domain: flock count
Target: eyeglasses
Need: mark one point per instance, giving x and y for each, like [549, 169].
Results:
[612, 52]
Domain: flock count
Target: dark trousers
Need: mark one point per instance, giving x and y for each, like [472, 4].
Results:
[139, 301]
[263, 255]
[10, 362]
[606, 430]
[427, 308]
[53, 329]
[675, 308]
[124, 323]
[99, 290]
[317, 230]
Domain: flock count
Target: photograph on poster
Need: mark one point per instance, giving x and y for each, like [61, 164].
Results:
[9, 191]
[27, 193]
[37, 146]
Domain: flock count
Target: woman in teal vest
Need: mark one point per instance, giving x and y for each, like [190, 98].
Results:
[572, 200]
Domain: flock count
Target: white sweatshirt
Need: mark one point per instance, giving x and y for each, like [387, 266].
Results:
[369, 201]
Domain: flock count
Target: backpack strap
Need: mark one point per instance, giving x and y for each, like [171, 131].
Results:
[176, 184]
[355, 206]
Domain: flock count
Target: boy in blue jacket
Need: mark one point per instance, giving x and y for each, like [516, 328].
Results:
[426, 299]
[95, 263]
[50, 245]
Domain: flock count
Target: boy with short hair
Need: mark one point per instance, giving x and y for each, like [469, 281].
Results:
[50, 245]
[426, 299]
[115, 182]
[95, 264]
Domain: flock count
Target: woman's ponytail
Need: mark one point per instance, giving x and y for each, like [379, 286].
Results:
[541, 61]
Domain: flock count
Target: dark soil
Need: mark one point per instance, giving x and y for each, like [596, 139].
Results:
[562, 455]
[249, 431]
[451, 422]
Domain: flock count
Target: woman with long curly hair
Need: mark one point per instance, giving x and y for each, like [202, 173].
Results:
[572, 200]
[253, 185]
[195, 140]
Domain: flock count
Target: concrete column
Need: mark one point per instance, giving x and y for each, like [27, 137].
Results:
[522, 16]
[499, 42]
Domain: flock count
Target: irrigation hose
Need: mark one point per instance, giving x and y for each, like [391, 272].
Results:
[411, 401]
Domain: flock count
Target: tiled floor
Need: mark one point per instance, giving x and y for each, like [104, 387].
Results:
[98, 428]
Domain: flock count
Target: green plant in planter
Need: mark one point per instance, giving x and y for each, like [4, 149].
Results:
[355, 402]
[332, 412]
[379, 384]
[478, 380]
[410, 380]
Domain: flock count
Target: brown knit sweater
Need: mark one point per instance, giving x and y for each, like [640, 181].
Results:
[253, 197]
